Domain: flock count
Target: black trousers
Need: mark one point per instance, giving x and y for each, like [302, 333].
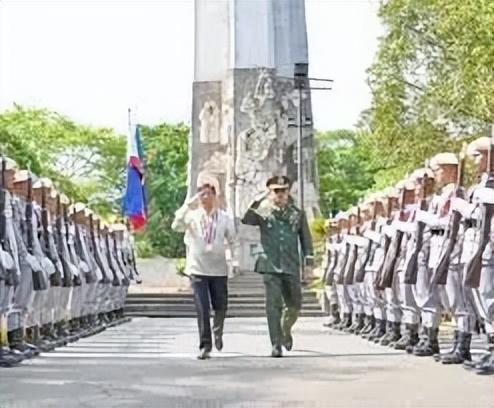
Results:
[210, 290]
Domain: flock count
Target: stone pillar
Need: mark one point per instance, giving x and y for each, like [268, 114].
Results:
[244, 99]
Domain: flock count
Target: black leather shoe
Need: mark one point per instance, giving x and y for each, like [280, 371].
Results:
[486, 366]
[218, 342]
[204, 354]
[276, 352]
[9, 360]
[288, 341]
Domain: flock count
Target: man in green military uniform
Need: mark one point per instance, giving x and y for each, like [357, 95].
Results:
[283, 226]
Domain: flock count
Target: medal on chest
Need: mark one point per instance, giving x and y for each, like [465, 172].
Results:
[209, 227]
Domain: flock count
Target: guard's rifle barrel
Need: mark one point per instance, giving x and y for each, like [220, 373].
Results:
[359, 277]
[346, 255]
[474, 267]
[394, 251]
[412, 267]
[440, 275]
[387, 244]
[67, 275]
[350, 273]
[4, 273]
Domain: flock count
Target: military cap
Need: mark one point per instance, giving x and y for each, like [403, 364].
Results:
[479, 145]
[77, 207]
[419, 174]
[443, 159]
[390, 192]
[342, 215]
[10, 164]
[117, 227]
[21, 176]
[43, 183]
[278, 182]
[64, 199]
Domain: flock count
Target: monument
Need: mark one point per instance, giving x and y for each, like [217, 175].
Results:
[245, 108]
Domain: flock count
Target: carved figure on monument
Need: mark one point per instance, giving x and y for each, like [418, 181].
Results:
[210, 122]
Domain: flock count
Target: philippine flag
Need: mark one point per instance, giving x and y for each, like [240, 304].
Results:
[135, 201]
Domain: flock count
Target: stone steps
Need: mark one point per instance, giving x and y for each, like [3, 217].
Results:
[245, 299]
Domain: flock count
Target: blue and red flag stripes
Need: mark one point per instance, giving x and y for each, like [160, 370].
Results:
[135, 201]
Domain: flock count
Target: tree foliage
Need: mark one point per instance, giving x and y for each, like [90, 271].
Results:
[166, 154]
[85, 162]
[344, 167]
[432, 81]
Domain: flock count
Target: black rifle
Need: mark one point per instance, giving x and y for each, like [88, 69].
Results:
[56, 277]
[393, 256]
[412, 266]
[387, 244]
[359, 278]
[110, 259]
[4, 274]
[353, 259]
[89, 276]
[474, 267]
[39, 280]
[441, 272]
[346, 256]
[96, 250]
[62, 252]
[76, 280]
[126, 280]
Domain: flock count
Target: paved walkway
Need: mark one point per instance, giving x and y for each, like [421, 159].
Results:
[151, 363]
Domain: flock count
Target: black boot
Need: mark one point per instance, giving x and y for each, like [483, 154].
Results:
[36, 338]
[16, 341]
[387, 334]
[394, 336]
[334, 319]
[360, 324]
[410, 339]
[370, 323]
[485, 359]
[8, 359]
[355, 320]
[440, 356]
[431, 347]
[461, 352]
[423, 336]
[346, 322]
[379, 331]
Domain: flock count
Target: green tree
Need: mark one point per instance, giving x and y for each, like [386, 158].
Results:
[85, 162]
[432, 82]
[165, 149]
[344, 167]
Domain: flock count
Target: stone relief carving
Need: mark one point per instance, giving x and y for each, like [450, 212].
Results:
[210, 122]
[262, 143]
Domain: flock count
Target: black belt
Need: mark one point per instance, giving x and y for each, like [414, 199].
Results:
[471, 223]
[437, 232]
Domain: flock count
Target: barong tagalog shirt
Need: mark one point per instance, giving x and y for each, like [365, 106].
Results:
[211, 240]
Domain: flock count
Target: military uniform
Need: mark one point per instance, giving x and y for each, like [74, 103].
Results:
[282, 229]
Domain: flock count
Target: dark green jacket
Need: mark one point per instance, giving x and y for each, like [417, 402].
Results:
[281, 231]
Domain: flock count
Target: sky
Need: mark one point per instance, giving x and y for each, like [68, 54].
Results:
[93, 59]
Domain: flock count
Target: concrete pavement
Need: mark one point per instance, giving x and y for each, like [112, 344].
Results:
[151, 363]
